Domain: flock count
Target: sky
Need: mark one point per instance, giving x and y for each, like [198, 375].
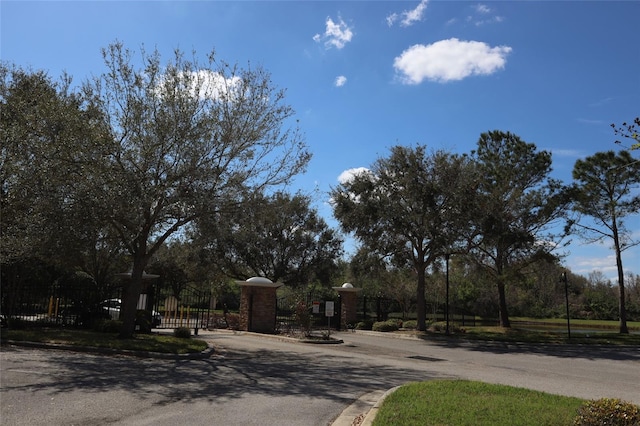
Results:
[364, 76]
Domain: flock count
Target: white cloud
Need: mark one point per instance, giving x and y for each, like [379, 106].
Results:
[204, 84]
[449, 60]
[482, 8]
[391, 19]
[484, 11]
[409, 17]
[336, 34]
[584, 265]
[571, 153]
[341, 80]
[349, 174]
[492, 20]
[590, 121]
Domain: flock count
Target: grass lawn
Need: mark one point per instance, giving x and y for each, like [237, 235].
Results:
[460, 403]
[524, 335]
[141, 342]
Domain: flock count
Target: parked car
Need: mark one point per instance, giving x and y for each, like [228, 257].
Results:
[112, 307]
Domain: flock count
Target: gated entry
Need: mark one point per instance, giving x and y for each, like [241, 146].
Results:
[189, 308]
[287, 319]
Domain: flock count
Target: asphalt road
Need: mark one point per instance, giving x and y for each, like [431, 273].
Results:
[257, 380]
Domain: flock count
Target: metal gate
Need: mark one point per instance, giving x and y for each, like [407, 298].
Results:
[190, 308]
[287, 318]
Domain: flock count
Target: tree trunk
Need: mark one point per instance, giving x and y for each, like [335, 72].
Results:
[621, 307]
[504, 314]
[420, 300]
[130, 296]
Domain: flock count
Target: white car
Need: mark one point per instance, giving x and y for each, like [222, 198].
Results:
[112, 307]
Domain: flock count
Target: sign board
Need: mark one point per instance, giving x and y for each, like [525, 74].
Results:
[316, 307]
[328, 308]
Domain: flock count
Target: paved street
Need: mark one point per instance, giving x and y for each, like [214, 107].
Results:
[257, 380]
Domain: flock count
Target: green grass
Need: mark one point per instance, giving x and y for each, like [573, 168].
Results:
[461, 403]
[523, 335]
[141, 342]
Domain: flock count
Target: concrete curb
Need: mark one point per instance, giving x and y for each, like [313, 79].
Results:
[373, 412]
[279, 337]
[366, 408]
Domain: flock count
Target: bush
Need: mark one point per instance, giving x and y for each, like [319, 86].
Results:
[606, 411]
[233, 321]
[182, 333]
[441, 326]
[390, 325]
[143, 321]
[107, 326]
[303, 317]
[364, 325]
[17, 324]
[410, 324]
[396, 321]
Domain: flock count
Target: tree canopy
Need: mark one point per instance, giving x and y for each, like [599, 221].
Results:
[629, 131]
[277, 236]
[407, 207]
[516, 204]
[147, 147]
[604, 192]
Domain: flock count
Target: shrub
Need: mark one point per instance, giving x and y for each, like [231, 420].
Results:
[143, 321]
[17, 323]
[396, 321]
[364, 325]
[385, 326]
[182, 333]
[410, 324]
[303, 317]
[233, 321]
[607, 411]
[441, 326]
[107, 326]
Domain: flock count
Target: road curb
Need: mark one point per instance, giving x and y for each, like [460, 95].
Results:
[363, 410]
[373, 412]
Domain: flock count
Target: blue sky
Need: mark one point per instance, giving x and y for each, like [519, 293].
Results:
[366, 75]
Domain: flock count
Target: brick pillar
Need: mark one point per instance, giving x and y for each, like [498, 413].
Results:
[258, 305]
[348, 305]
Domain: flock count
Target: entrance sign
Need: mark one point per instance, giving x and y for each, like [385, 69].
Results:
[328, 308]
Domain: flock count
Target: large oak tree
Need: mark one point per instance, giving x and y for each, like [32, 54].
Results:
[187, 138]
[408, 207]
[279, 236]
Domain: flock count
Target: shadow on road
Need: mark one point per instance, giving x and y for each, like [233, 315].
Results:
[219, 378]
[617, 353]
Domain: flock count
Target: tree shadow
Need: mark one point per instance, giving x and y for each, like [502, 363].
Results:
[567, 350]
[220, 377]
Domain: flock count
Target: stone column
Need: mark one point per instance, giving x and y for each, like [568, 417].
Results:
[349, 305]
[258, 305]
